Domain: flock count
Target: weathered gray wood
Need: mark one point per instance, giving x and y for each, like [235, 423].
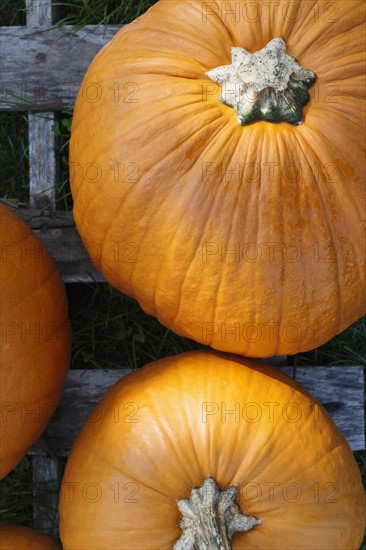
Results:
[340, 389]
[42, 161]
[39, 13]
[58, 232]
[45, 494]
[44, 70]
[42, 158]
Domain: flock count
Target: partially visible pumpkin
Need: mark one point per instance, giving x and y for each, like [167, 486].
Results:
[17, 537]
[245, 238]
[35, 338]
[201, 418]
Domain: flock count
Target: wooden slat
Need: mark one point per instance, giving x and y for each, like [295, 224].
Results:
[42, 161]
[58, 232]
[40, 13]
[42, 194]
[42, 158]
[339, 389]
[44, 70]
[45, 494]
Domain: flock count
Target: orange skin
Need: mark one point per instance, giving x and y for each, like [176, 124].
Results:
[35, 339]
[170, 425]
[17, 537]
[165, 183]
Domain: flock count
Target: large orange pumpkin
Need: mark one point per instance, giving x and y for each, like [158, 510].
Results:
[205, 418]
[249, 237]
[35, 338]
[17, 537]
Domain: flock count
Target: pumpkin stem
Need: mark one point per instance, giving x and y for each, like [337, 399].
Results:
[265, 85]
[211, 518]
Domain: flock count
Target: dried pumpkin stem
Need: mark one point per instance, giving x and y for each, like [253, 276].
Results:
[211, 518]
[265, 85]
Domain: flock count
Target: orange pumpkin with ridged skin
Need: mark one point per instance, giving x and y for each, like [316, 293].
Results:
[246, 238]
[180, 420]
[35, 338]
[17, 537]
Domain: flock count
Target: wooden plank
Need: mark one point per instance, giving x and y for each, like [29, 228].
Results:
[42, 158]
[340, 389]
[42, 194]
[58, 232]
[40, 13]
[44, 70]
[42, 161]
[45, 495]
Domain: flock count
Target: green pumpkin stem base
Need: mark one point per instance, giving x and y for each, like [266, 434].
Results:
[266, 85]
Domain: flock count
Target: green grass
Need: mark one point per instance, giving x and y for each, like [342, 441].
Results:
[93, 12]
[12, 12]
[348, 348]
[16, 494]
[79, 12]
[109, 330]
[61, 128]
[14, 160]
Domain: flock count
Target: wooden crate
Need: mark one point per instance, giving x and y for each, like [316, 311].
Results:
[36, 78]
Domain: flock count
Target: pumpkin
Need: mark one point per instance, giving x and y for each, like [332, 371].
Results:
[17, 537]
[213, 192]
[205, 435]
[35, 338]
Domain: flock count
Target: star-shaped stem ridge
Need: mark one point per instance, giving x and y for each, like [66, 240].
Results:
[266, 85]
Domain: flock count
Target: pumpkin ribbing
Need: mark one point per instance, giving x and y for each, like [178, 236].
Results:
[245, 238]
[206, 415]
